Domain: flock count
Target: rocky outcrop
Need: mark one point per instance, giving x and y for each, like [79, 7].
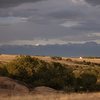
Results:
[10, 87]
[43, 90]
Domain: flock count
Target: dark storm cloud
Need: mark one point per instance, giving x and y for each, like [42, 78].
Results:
[93, 2]
[89, 26]
[68, 14]
[68, 20]
[12, 3]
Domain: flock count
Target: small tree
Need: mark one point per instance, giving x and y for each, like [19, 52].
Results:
[21, 68]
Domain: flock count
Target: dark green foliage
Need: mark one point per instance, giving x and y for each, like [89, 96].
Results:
[3, 70]
[88, 80]
[68, 59]
[92, 57]
[21, 68]
[87, 63]
[59, 76]
[56, 58]
[36, 72]
[54, 75]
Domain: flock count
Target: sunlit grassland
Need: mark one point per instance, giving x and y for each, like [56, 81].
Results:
[87, 96]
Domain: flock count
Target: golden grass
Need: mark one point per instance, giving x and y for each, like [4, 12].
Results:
[7, 58]
[88, 96]
[88, 60]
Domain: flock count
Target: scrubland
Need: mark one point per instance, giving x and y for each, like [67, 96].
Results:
[61, 78]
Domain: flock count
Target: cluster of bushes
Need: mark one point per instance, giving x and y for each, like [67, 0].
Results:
[35, 72]
[70, 60]
[87, 63]
[56, 58]
[92, 57]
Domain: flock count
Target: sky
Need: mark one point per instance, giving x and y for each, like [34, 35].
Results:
[43, 22]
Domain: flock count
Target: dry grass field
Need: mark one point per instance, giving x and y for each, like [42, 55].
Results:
[7, 58]
[90, 96]
[46, 93]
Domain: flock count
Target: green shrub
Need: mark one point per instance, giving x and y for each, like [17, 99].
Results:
[3, 70]
[36, 72]
[21, 68]
[68, 59]
[56, 58]
[54, 75]
[87, 81]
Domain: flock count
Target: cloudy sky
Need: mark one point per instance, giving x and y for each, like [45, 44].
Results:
[49, 21]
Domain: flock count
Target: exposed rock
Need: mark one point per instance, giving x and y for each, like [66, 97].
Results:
[10, 87]
[43, 90]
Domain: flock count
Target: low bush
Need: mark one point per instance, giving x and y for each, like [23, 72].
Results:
[86, 82]
[3, 70]
[56, 58]
[36, 72]
[68, 59]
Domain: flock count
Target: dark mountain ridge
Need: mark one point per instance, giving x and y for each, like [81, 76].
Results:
[69, 50]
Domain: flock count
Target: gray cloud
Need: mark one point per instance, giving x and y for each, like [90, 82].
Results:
[89, 26]
[12, 3]
[59, 20]
[93, 2]
[66, 14]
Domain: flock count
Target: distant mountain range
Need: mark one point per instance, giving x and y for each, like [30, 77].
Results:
[69, 50]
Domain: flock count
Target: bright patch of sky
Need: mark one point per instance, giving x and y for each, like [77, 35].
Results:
[70, 24]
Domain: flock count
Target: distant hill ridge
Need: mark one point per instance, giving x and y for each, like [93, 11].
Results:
[70, 50]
